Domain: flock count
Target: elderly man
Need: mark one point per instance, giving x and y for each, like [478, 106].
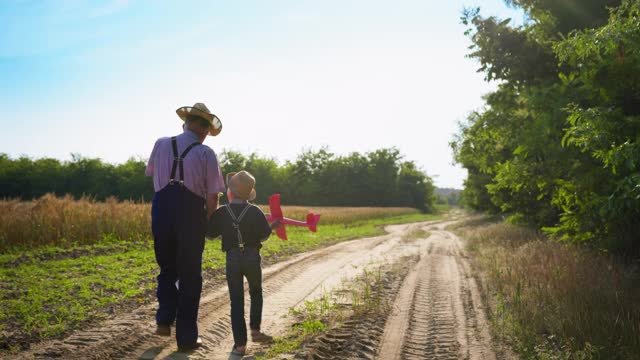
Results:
[187, 180]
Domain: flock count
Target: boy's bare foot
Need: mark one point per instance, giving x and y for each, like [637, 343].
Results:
[257, 336]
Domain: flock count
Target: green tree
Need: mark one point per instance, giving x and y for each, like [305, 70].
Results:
[604, 123]
[415, 189]
[130, 182]
[557, 144]
[316, 177]
[267, 177]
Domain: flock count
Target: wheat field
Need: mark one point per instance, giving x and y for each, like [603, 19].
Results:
[59, 221]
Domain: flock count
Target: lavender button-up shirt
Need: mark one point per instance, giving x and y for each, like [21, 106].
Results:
[202, 175]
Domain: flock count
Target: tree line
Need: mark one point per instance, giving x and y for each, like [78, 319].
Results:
[558, 143]
[316, 177]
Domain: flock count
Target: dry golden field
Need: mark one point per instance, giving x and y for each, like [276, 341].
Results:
[53, 220]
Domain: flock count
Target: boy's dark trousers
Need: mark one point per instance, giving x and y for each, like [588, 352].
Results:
[239, 265]
[178, 222]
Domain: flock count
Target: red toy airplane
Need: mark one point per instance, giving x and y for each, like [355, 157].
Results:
[276, 213]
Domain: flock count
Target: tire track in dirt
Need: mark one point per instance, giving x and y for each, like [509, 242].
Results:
[431, 333]
[438, 312]
[359, 335]
[285, 285]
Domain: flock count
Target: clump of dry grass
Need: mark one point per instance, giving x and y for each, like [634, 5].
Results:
[59, 221]
[554, 300]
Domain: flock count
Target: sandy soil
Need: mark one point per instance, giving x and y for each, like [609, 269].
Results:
[437, 312]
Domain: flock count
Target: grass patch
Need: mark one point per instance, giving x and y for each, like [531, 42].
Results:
[48, 291]
[555, 301]
[415, 234]
[47, 298]
[313, 317]
[366, 293]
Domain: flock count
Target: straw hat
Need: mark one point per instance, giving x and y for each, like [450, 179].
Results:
[201, 110]
[242, 185]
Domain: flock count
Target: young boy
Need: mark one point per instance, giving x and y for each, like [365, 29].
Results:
[243, 227]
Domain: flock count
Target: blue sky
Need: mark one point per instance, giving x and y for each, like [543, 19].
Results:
[103, 78]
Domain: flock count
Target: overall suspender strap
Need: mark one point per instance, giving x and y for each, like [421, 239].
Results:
[177, 161]
[236, 224]
[184, 153]
[174, 145]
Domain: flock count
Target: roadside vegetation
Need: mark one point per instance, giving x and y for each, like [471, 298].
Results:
[415, 233]
[85, 261]
[556, 144]
[556, 147]
[313, 317]
[550, 300]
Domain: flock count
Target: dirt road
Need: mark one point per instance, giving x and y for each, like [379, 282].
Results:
[437, 312]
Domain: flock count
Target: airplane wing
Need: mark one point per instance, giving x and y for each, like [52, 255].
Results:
[281, 232]
[276, 213]
[274, 206]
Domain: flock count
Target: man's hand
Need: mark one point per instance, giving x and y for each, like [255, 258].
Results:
[212, 204]
[277, 223]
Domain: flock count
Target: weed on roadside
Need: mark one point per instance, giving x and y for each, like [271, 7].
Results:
[415, 234]
[554, 301]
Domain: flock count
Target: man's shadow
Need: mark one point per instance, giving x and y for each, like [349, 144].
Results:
[243, 357]
[183, 356]
[152, 353]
